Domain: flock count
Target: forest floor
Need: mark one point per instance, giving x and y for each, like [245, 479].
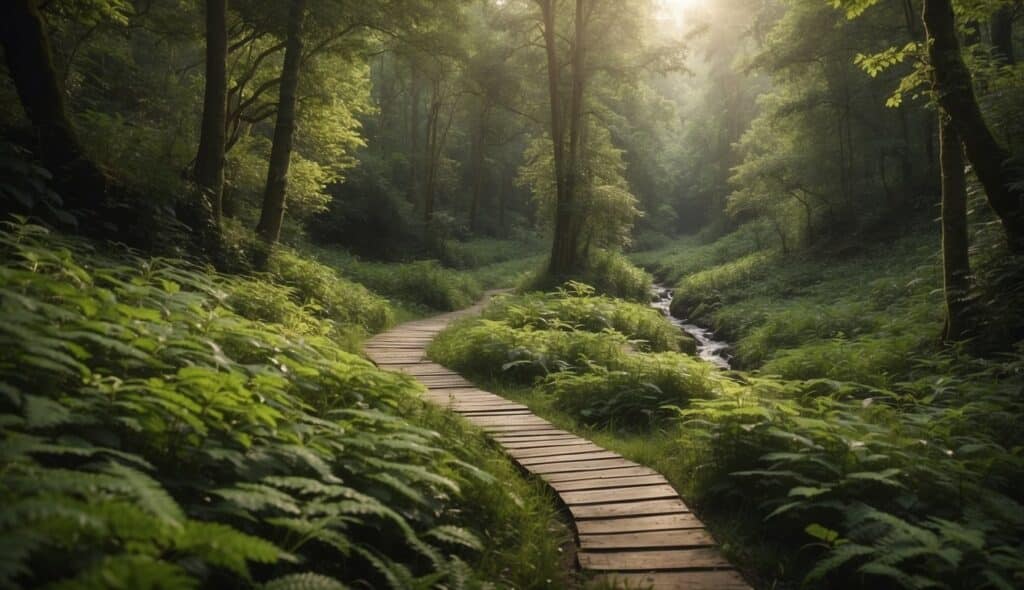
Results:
[829, 452]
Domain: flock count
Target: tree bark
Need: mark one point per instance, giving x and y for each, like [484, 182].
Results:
[210, 156]
[956, 266]
[414, 132]
[272, 214]
[479, 147]
[565, 256]
[952, 84]
[30, 64]
[561, 250]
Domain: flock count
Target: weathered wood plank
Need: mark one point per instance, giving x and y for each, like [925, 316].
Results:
[656, 492]
[486, 412]
[535, 442]
[637, 508]
[611, 472]
[648, 540]
[595, 465]
[692, 580]
[668, 559]
[660, 522]
[548, 451]
[610, 482]
[529, 434]
[532, 462]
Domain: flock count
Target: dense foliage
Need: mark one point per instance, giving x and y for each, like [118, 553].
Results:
[155, 438]
[584, 351]
[207, 207]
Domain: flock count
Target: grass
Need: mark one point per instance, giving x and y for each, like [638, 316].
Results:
[802, 316]
[426, 286]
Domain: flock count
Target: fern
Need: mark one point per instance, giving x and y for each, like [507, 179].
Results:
[304, 581]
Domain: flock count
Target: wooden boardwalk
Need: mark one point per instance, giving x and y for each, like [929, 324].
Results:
[631, 525]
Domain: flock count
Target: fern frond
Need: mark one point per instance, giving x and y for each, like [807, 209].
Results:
[305, 581]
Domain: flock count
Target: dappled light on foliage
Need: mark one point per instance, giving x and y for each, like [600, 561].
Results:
[231, 231]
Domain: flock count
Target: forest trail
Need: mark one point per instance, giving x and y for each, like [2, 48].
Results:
[631, 525]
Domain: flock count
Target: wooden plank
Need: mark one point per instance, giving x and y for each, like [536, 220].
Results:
[608, 482]
[524, 433]
[547, 451]
[519, 428]
[595, 465]
[485, 406]
[638, 508]
[537, 442]
[648, 540]
[480, 412]
[442, 381]
[626, 471]
[464, 392]
[692, 580]
[659, 522]
[666, 559]
[514, 420]
[569, 458]
[491, 402]
[655, 492]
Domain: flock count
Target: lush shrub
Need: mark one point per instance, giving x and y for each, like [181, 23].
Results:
[699, 294]
[869, 487]
[673, 262]
[613, 274]
[424, 283]
[483, 252]
[332, 296]
[575, 306]
[639, 392]
[584, 350]
[152, 437]
[493, 348]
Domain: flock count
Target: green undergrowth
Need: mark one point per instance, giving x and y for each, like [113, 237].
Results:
[608, 272]
[162, 430]
[810, 482]
[425, 286]
[857, 316]
[482, 252]
[584, 350]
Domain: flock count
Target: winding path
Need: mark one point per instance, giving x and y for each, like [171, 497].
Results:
[631, 525]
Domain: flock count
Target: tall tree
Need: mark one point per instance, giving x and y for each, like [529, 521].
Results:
[209, 170]
[272, 214]
[956, 96]
[30, 64]
[956, 265]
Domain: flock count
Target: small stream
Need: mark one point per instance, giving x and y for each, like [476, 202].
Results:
[713, 351]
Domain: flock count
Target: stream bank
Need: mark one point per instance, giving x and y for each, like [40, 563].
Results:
[713, 351]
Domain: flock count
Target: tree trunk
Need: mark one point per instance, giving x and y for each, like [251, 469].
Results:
[210, 156]
[952, 83]
[565, 259]
[272, 214]
[561, 251]
[30, 64]
[414, 133]
[1002, 34]
[956, 266]
[478, 169]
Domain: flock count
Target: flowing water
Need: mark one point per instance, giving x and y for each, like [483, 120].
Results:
[713, 351]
